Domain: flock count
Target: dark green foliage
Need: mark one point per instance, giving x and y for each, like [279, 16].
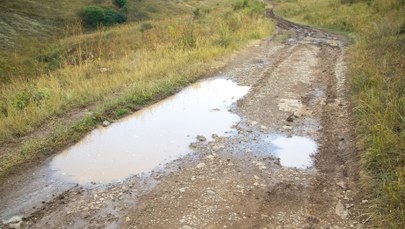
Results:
[95, 15]
[113, 17]
[241, 5]
[196, 12]
[120, 3]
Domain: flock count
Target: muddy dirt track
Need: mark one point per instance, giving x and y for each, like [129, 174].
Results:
[298, 95]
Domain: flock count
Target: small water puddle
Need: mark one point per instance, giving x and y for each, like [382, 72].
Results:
[155, 135]
[293, 151]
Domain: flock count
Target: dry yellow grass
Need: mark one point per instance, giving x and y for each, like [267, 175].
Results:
[131, 63]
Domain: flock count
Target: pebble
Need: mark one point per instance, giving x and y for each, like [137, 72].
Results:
[14, 219]
[201, 138]
[341, 211]
[210, 157]
[106, 123]
[201, 165]
[287, 127]
[341, 184]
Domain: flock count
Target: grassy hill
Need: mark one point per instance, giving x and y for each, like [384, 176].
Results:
[28, 27]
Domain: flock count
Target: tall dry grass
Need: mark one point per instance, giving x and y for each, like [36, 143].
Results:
[377, 77]
[128, 64]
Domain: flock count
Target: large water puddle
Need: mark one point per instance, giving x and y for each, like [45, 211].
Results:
[152, 136]
[293, 151]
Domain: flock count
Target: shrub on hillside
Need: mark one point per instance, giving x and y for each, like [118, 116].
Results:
[95, 15]
[113, 17]
[120, 3]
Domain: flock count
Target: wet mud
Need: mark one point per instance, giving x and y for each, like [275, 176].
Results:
[289, 162]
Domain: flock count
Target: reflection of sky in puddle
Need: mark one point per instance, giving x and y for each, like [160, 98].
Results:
[293, 151]
[154, 135]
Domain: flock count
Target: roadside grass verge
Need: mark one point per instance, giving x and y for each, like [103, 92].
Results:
[377, 78]
[121, 69]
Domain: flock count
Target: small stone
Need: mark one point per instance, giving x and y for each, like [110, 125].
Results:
[102, 70]
[210, 157]
[214, 136]
[217, 148]
[254, 123]
[256, 177]
[287, 127]
[15, 225]
[182, 189]
[341, 184]
[14, 219]
[193, 178]
[127, 219]
[201, 138]
[290, 118]
[106, 123]
[341, 211]
[201, 165]
[210, 192]
[364, 201]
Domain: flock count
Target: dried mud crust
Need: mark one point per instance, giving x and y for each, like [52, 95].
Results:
[234, 182]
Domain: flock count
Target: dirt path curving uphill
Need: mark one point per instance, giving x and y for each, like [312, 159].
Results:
[298, 97]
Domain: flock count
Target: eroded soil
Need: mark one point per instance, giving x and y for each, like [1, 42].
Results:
[298, 89]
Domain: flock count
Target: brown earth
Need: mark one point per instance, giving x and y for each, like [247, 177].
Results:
[298, 88]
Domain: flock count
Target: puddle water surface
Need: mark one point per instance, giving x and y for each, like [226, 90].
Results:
[293, 151]
[155, 135]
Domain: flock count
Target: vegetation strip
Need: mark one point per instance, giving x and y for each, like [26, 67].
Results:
[377, 77]
[133, 63]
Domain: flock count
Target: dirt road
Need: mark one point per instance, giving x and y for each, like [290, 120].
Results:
[298, 97]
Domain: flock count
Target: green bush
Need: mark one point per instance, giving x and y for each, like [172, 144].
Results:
[113, 17]
[241, 5]
[95, 15]
[120, 3]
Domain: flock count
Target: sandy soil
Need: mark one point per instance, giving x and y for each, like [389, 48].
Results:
[298, 88]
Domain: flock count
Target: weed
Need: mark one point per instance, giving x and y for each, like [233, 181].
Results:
[121, 112]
